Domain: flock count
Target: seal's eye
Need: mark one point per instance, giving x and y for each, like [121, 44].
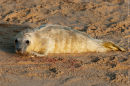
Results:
[27, 41]
[16, 41]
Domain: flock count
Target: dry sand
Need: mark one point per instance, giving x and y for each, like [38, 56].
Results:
[102, 19]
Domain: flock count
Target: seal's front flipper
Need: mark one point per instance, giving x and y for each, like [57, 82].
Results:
[38, 54]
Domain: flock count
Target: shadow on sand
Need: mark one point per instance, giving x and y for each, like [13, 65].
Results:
[7, 34]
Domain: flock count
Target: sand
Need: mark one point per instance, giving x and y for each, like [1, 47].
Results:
[101, 19]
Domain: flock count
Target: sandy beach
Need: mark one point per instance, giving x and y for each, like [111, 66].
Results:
[101, 19]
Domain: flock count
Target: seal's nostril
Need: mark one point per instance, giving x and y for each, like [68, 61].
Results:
[18, 49]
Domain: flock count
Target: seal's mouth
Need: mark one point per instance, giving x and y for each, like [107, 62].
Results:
[21, 53]
[18, 50]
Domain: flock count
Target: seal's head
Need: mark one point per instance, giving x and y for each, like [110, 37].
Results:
[22, 41]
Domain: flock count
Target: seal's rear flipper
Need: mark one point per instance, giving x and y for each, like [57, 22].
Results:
[112, 46]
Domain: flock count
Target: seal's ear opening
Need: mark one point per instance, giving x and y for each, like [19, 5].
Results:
[112, 46]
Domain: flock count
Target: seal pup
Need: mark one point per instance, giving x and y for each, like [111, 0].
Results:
[59, 39]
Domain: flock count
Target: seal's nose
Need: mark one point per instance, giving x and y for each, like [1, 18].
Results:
[19, 49]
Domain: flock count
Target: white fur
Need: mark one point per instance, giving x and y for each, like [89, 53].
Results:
[59, 39]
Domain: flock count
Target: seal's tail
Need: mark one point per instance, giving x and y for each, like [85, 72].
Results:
[111, 46]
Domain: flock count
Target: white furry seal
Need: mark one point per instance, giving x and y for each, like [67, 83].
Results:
[59, 39]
